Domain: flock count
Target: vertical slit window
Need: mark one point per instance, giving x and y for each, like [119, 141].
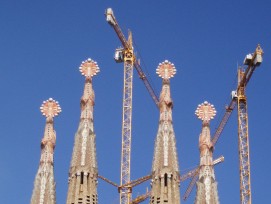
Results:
[82, 178]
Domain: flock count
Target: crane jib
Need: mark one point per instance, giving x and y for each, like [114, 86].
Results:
[254, 61]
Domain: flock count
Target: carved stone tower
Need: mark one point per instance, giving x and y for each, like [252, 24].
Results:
[206, 186]
[44, 185]
[165, 168]
[83, 170]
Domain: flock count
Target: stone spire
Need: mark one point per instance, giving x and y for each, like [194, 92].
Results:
[44, 185]
[206, 186]
[83, 170]
[165, 169]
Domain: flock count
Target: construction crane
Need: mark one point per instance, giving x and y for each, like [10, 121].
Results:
[238, 97]
[126, 54]
[243, 138]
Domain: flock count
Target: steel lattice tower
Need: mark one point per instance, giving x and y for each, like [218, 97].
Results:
[125, 193]
[243, 143]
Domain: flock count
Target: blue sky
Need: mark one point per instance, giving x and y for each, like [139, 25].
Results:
[42, 44]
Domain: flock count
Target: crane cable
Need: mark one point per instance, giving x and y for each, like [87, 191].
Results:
[144, 67]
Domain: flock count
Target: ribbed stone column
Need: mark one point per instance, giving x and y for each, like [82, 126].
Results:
[83, 170]
[44, 185]
[165, 168]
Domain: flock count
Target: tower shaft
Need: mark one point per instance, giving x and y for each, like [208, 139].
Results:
[165, 169]
[83, 170]
[243, 144]
[206, 186]
[44, 185]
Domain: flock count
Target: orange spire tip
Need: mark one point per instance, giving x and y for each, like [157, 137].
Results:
[205, 111]
[166, 70]
[89, 68]
[50, 108]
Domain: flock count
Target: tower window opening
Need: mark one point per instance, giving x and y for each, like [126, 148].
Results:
[82, 178]
[165, 179]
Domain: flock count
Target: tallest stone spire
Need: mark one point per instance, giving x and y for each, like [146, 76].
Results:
[165, 168]
[83, 170]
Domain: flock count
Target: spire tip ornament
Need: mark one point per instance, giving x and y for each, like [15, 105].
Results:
[89, 68]
[166, 70]
[50, 108]
[205, 111]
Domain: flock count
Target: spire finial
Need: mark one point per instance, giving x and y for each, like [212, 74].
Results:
[50, 108]
[205, 111]
[166, 70]
[89, 68]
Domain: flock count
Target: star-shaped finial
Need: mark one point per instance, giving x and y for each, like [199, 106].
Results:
[205, 111]
[89, 68]
[50, 108]
[166, 70]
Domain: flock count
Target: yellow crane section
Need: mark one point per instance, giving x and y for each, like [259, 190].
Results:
[239, 98]
[252, 60]
[126, 55]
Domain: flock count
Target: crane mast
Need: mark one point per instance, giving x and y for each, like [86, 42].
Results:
[125, 193]
[243, 144]
[253, 61]
[126, 55]
[239, 97]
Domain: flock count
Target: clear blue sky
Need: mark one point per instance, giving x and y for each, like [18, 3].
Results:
[42, 44]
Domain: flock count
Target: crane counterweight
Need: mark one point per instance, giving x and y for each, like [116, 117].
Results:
[119, 55]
